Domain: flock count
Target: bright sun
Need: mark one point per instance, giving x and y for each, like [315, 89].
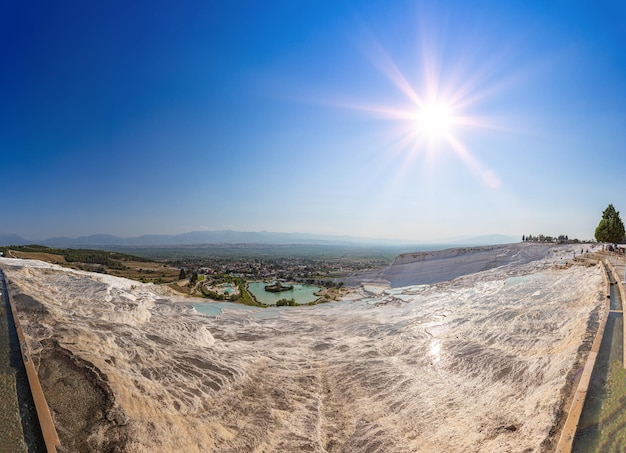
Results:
[434, 120]
[435, 114]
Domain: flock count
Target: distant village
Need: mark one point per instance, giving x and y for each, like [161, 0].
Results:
[304, 270]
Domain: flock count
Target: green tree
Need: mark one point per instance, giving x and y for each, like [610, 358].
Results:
[286, 303]
[610, 229]
[182, 274]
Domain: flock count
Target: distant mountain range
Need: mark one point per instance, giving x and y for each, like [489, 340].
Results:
[235, 237]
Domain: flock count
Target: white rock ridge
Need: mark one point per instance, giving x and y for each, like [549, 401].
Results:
[443, 265]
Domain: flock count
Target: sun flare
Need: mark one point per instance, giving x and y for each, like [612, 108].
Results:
[436, 114]
[435, 120]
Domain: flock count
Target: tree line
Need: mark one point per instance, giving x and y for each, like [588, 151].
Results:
[561, 239]
[609, 230]
[112, 260]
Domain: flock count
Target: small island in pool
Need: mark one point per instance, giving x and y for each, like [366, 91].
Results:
[278, 287]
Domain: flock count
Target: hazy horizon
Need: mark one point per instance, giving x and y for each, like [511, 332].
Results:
[271, 235]
[407, 120]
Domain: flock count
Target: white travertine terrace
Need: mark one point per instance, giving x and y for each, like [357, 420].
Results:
[478, 363]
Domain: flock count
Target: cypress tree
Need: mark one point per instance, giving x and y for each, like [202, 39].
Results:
[611, 228]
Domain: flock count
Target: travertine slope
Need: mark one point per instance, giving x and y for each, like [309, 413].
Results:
[476, 364]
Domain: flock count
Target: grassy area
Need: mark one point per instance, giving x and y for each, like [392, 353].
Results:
[48, 257]
[245, 297]
[112, 263]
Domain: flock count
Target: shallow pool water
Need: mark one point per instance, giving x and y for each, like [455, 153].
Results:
[302, 294]
[11, 438]
[602, 426]
[19, 425]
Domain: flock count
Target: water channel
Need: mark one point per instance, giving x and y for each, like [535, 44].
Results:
[602, 425]
[19, 425]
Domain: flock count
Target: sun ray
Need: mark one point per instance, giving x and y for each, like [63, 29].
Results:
[384, 63]
[487, 177]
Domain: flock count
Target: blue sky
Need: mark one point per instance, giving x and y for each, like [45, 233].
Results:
[131, 118]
